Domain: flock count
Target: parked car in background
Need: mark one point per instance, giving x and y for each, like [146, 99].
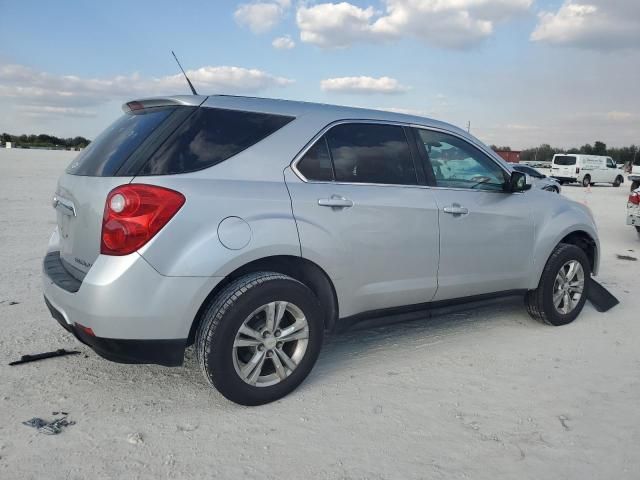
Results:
[586, 169]
[248, 227]
[633, 209]
[540, 180]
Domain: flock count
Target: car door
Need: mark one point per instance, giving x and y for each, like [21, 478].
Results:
[486, 234]
[363, 216]
[610, 170]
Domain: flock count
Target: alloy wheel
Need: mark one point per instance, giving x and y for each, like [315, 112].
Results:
[270, 344]
[568, 287]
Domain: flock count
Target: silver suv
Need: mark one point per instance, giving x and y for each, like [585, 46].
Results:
[250, 226]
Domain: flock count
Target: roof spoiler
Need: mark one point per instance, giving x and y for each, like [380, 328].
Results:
[182, 100]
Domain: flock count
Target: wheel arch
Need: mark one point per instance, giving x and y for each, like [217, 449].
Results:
[299, 268]
[583, 239]
[586, 243]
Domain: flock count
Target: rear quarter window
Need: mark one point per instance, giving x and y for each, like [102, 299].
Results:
[111, 149]
[210, 136]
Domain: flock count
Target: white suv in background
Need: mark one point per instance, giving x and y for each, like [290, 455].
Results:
[585, 169]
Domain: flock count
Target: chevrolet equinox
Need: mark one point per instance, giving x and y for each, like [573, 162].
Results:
[248, 227]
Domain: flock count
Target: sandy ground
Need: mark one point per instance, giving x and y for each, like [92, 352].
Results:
[481, 395]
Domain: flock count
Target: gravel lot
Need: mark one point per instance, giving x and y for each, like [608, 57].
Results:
[482, 395]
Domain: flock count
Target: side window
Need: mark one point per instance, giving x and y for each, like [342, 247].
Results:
[611, 163]
[371, 153]
[316, 163]
[211, 136]
[458, 164]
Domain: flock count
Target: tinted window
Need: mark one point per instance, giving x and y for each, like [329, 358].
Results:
[611, 163]
[528, 170]
[371, 153]
[564, 160]
[316, 163]
[210, 136]
[458, 164]
[108, 152]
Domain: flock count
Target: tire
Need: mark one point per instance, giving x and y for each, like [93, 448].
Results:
[540, 304]
[220, 360]
[635, 185]
[586, 181]
[638, 229]
[618, 181]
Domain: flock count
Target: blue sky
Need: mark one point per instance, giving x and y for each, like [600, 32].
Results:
[522, 72]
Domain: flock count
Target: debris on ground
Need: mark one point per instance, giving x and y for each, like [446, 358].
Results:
[626, 257]
[563, 421]
[9, 302]
[135, 438]
[41, 356]
[53, 427]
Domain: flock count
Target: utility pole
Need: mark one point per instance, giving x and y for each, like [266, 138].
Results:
[469, 126]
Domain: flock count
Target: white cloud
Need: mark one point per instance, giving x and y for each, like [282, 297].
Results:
[596, 24]
[68, 95]
[260, 17]
[283, 43]
[362, 84]
[48, 110]
[448, 24]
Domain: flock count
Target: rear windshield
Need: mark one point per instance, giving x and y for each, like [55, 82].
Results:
[564, 160]
[210, 136]
[111, 149]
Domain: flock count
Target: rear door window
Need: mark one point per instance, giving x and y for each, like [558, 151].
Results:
[211, 136]
[371, 153]
[111, 149]
[316, 163]
[564, 160]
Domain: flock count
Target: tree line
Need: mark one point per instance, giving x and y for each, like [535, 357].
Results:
[44, 141]
[545, 152]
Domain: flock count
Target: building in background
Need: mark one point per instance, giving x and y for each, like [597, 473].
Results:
[511, 156]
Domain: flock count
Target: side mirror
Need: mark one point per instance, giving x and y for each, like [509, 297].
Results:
[519, 182]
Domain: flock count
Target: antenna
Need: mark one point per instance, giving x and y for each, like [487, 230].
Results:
[193, 90]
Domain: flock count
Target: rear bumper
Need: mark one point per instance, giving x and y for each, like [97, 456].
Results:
[169, 353]
[136, 315]
[565, 179]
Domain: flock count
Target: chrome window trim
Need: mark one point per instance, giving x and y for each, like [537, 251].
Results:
[311, 143]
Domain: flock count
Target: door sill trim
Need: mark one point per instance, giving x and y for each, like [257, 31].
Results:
[405, 313]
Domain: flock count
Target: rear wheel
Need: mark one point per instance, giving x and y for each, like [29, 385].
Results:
[618, 181]
[586, 181]
[260, 338]
[563, 287]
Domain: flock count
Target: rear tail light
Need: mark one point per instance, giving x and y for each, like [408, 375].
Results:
[634, 198]
[133, 214]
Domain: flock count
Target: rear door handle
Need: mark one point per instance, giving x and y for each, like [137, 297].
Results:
[456, 209]
[335, 201]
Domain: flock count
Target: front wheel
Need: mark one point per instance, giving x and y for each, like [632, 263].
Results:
[563, 287]
[260, 337]
[618, 181]
[586, 181]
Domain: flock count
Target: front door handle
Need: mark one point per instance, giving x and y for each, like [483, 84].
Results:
[456, 210]
[335, 201]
